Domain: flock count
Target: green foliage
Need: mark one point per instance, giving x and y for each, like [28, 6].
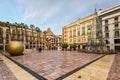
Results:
[64, 45]
[111, 50]
[73, 46]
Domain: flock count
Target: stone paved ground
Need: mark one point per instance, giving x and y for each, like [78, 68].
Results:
[5, 73]
[114, 73]
[97, 70]
[53, 64]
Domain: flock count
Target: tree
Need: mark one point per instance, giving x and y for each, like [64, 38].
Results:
[38, 31]
[64, 45]
[73, 46]
[16, 25]
[32, 27]
[26, 34]
[9, 26]
[22, 26]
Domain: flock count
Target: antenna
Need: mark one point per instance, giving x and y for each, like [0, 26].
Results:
[95, 5]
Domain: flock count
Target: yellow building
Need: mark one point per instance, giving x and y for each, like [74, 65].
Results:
[65, 34]
[80, 31]
[31, 38]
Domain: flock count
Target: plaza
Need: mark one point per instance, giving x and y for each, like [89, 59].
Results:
[60, 40]
[59, 65]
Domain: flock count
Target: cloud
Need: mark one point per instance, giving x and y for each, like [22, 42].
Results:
[38, 10]
[44, 10]
[57, 13]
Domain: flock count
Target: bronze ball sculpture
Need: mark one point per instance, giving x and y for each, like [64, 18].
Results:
[15, 48]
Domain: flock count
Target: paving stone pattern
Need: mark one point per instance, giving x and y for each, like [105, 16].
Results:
[5, 73]
[114, 73]
[53, 64]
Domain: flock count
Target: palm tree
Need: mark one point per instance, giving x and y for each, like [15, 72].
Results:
[9, 26]
[26, 34]
[44, 37]
[32, 27]
[16, 25]
[1, 23]
[22, 26]
[25, 27]
[38, 31]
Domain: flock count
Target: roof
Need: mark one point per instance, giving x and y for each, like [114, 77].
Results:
[49, 32]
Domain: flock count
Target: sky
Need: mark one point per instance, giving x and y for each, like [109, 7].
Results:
[52, 14]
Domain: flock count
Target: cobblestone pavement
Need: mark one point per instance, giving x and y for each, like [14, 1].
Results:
[5, 73]
[114, 73]
[53, 64]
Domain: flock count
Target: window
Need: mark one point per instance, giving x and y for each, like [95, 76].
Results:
[74, 33]
[116, 33]
[89, 37]
[106, 22]
[78, 40]
[13, 31]
[83, 33]
[116, 25]
[78, 32]
[107, 42]
[117, 48]
[116, 19]
[1, 32]
[83, 39]
[89, 31]
[107, 35]
[74, 40]
[7, 31]
[7, 36]
[116, 40]
[70, 40]
[106, 28]
[70, 33]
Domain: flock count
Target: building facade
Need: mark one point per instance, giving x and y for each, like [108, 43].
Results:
[52, 41]
[31, 38]
[80, 31]
[110, 19]
[65, 34]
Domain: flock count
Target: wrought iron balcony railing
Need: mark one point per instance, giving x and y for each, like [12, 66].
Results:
[116, 28]
[117, 35]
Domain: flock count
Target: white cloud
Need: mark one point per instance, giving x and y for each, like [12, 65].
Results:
[46, 13]
[38, 10]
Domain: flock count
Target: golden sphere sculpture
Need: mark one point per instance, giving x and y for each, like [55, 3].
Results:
[15, 48]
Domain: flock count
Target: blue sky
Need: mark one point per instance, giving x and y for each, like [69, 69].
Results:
[52, 14]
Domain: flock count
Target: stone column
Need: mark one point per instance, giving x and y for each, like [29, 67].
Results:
[4, 38]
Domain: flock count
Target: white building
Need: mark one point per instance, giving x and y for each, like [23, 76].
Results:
[110, 19]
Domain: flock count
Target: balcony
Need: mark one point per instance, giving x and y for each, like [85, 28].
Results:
[83, 33]
[88, 33]
[1, 40]
[117, 35]
[116, 21]
[1, 36]
[116, 28]
[106, 30]
[106, 36]
[7, 41]
[106, 24]
[70, 36]
[74, 35]
[89, 27]
[14, 33]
